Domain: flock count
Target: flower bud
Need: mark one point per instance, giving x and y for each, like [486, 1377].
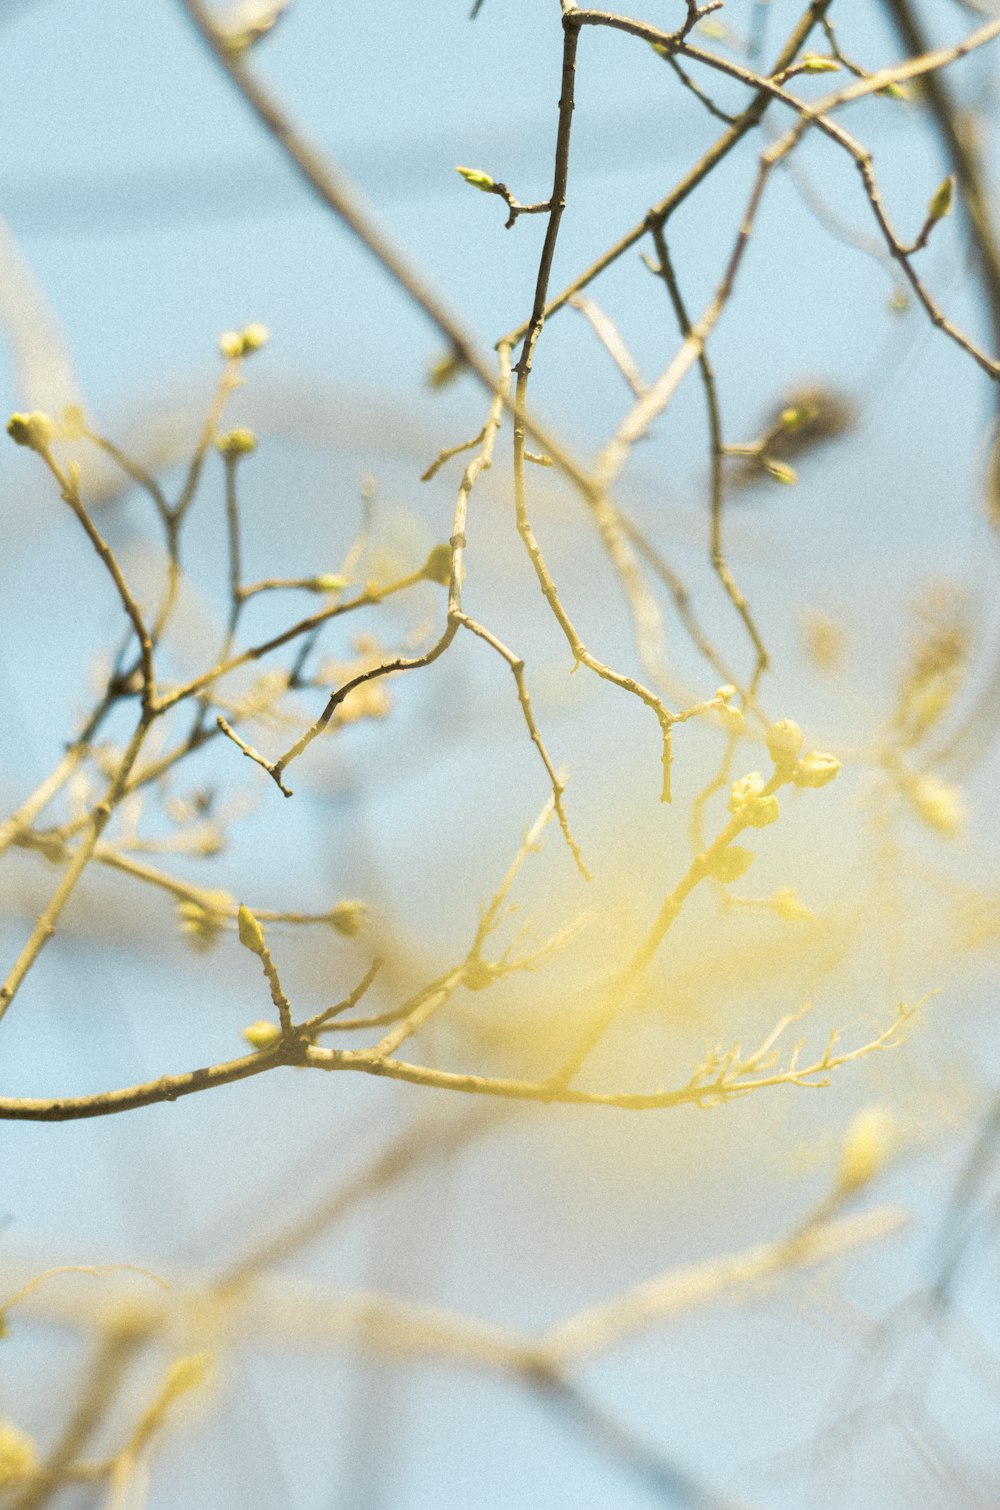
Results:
[784, 741]
[748, 801]
[815, 769]
[18, 1454]
[437, 567]
[235, 443]
[34, 430]
[262, 1035]
[866, 1147]
[348, 918]
[254, 337]
[787, 905]
[731, 863]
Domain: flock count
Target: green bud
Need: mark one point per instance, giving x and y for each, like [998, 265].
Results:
[477, 178]
[779, 470]
[251, 933]
[796, 415]
[444, 370]
[941, 199]
[812, 62]
[327, 583]
[437, 567]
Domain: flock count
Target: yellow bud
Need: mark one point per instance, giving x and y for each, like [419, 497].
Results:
[231, 345]
[816, 769]
[866, 1147]
[254, 337]
[348, 918]
[748, 801]
[780, 471]
[34, 430]
[238, 442]
[262, 1035]
[327, 583]
[732, 863]
[437, 567]
[787, 905]
[186, 1373]
[937, 802]
[251, 933]
[477, 975]
[18, 1454]
[73, 422]
[784, 741]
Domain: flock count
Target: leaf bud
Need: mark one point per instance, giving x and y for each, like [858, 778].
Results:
[942, 199]
[780, 471]
[444, 370]
[251, 933]
[477, 178]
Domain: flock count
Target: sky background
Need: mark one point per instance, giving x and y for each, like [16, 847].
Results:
[153, 214]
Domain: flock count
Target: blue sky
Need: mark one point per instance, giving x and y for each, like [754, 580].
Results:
[154, 213]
